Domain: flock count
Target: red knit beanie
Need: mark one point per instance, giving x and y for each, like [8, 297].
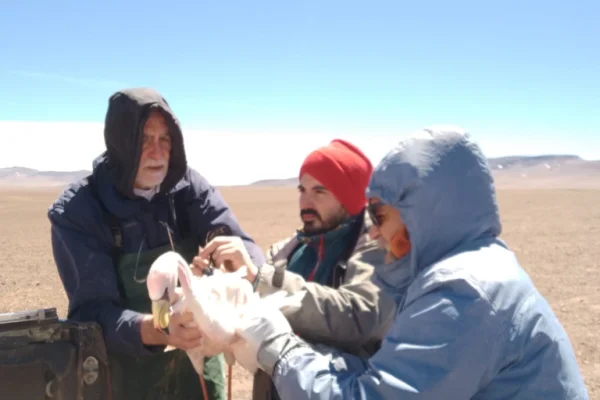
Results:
[344, 170]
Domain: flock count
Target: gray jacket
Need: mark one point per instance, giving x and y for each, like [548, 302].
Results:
[352, 317]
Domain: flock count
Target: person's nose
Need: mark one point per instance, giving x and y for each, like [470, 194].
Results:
[155, 150]
[305, 201]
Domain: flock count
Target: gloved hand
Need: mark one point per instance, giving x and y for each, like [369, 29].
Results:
[265, 335]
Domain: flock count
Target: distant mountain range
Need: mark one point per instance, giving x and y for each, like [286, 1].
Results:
[564, 171]
[20, 176]
[276, 182]
[512, 171]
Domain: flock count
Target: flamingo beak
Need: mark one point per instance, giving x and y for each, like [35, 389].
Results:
[160, 313]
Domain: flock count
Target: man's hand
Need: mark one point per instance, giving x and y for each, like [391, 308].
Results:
[226, 248]
[198, 264]
[150, 335]
[183, 331]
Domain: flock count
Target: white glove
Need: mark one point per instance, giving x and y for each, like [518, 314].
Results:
[264, 333]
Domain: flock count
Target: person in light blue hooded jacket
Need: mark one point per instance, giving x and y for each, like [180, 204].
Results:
[471, 324]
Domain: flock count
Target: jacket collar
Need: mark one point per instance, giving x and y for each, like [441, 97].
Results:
[280, 251]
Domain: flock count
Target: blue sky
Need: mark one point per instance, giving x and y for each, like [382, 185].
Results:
[372, 68]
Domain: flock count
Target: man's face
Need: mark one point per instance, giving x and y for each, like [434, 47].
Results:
[320, 211]
[156, 149]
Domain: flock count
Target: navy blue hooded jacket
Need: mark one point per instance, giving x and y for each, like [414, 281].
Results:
[82, 241]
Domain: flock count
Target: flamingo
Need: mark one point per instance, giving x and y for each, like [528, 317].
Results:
[217, 302]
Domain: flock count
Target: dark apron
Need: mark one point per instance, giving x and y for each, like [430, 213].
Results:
[166, 376]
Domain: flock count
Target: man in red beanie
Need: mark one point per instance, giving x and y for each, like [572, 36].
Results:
[331, 258]
[333, 180]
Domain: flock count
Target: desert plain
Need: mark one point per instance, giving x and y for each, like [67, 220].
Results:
[555, 233]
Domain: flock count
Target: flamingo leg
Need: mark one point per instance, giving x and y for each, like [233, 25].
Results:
[229, 384]
[204, 389]
[229, 370]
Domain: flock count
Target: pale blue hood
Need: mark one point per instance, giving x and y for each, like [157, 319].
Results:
[440, 182]
[471, 326]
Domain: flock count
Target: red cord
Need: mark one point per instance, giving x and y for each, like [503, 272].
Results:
[320, 255]
[204, 390]
[229, 373]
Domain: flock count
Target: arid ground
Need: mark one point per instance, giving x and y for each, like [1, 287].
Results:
[555, 233]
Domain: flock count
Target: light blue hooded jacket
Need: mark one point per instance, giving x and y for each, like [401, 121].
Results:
[471, 324]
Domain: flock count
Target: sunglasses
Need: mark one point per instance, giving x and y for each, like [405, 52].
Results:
[372, 211]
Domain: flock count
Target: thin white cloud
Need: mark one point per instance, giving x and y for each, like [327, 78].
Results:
[226, 157]
[92, 83]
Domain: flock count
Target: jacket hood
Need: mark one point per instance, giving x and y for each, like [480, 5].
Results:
[127, 112]
[440, 182]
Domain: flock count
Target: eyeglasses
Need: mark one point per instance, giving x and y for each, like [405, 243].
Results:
[372, 211]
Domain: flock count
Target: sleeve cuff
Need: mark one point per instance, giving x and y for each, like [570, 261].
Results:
[275, 350]
[263, 283]
[131, 323]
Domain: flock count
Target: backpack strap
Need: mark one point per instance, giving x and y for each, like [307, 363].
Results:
[177, 207]
[175, 203]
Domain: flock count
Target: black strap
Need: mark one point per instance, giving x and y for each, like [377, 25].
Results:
[339, 273]
[115, 227]
[355, 234]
